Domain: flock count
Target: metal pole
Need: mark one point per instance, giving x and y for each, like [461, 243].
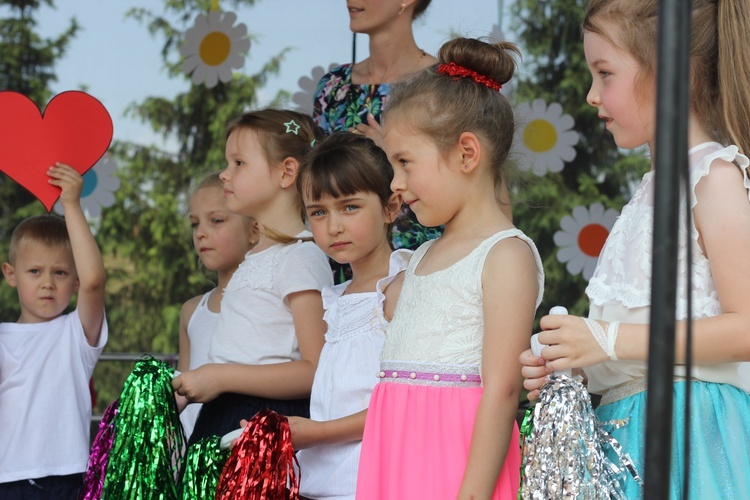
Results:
[670, 156]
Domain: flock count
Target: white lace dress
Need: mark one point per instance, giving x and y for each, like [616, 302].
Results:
[344, 381]
[620, 291]
[422, 412]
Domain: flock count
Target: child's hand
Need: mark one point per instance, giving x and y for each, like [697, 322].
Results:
[197, 385]
[371, 129]
[534, 373]
[570, 343]
[181, 401]
[69, 180]
[243, 424]
[305, 432]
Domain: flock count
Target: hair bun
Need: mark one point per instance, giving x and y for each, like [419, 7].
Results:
[494, 60]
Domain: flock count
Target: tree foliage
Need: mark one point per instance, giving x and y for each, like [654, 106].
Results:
[152, 266]
[26, 66]
[555, 70]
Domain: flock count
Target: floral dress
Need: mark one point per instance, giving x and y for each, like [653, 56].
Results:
[339, 105]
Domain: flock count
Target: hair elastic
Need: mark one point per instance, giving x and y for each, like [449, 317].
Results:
[606, 340]
[454, 69]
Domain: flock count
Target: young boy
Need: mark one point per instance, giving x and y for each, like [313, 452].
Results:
[47, 357]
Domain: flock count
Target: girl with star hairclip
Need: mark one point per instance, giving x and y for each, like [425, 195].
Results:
[270, 329]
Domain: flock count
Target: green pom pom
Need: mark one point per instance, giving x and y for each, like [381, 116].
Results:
[149, 442]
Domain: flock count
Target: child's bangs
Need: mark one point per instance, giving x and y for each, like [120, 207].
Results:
[344, 177]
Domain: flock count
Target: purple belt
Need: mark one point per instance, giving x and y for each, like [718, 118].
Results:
[430, 374]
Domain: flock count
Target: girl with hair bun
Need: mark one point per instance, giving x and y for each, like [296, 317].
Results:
[270, 330]
[441, 422]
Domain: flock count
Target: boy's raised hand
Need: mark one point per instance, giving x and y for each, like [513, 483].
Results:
[69, 180]
[86, 254]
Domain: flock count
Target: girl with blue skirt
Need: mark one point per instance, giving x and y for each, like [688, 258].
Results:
[611, 345]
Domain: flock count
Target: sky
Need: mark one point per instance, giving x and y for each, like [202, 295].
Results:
[117, 61]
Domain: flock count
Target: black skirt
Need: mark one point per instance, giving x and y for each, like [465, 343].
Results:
[224, 413]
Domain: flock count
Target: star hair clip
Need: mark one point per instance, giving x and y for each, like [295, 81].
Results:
[292, 127]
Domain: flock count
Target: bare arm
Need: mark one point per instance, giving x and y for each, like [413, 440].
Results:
[307, 433]
[86, 253]
[188, 308]
[392, 292]
[183, 363]
[289, 380]
[510, 289]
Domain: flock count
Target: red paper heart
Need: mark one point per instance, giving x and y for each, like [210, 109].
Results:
[75, 129]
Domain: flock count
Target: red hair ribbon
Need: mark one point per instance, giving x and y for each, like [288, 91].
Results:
[454, 69]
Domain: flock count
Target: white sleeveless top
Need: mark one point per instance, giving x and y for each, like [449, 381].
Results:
[620, 289]
[439, 317]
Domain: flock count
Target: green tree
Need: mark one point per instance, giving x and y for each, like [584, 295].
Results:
[27, 64]
[555, 70]
[151, 263]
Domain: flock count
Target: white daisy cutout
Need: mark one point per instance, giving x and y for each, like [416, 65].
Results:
[99, 186]
[213, 47]
[496, 34]
[582, 238]
[544, 140]
[304, 98]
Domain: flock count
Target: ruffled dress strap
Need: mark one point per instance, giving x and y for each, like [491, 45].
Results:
[729, 154]
[397, 263]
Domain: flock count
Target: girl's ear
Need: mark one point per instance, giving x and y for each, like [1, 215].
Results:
[10, 274]
[289, 170]
[393, 207]
[470, 150]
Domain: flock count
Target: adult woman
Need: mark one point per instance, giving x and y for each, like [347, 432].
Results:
[352, 96]
[348, 93]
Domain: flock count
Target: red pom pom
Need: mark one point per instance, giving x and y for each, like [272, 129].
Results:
[262, 462]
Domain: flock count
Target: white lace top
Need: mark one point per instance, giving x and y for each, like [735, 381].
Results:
[439, 317]
[620, 289]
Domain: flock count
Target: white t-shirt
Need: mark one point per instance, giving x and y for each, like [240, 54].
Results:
[45, 403]
[255, 324]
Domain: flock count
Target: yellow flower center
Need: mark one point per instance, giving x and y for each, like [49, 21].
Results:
[540, 136]
[215, 48]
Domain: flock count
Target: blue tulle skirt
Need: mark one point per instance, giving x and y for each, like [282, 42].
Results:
[719, 440]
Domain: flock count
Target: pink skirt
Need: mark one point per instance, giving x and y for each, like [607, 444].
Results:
[416, 444]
